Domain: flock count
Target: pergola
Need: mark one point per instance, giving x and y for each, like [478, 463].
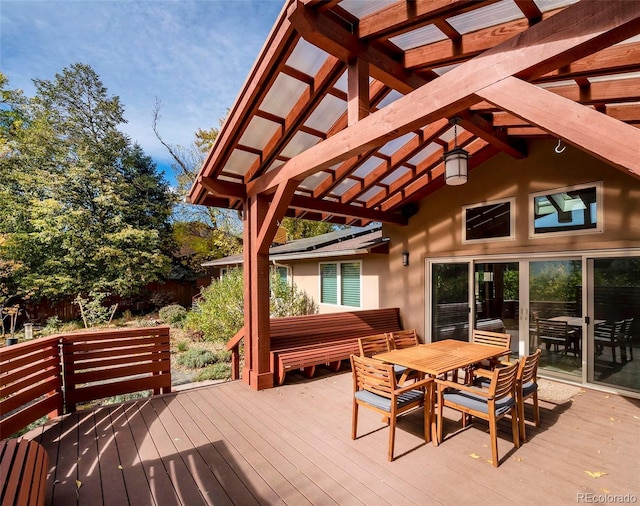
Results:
[348, 111]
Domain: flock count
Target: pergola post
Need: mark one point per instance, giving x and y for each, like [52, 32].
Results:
[257, 346]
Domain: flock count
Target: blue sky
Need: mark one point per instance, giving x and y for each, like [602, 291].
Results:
[194, 55]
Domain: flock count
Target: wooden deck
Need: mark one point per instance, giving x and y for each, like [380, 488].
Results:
[228, 444]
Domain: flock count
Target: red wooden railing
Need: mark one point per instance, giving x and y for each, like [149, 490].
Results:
[30, 383]
[115, 362]
[96, 365]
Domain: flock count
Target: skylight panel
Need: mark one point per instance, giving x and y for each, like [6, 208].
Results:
[390, 99]
[283, 95]
[425, 153]
[301, 142]
[394, 145]
[239, 162]
[362, 8]
[370, 193]
[307, 58]
[313, 181]
[365, 169]
[259, 132]
[395, 175]
[342, 84]
[484, 17]
[424, 35]
[549, 5]
[327, 113]
[343, 187]
[615, 77]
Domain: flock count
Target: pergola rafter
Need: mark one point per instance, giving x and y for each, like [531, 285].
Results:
[373, 76]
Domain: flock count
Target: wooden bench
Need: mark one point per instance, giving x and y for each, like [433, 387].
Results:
[23, 472]
[304, 342]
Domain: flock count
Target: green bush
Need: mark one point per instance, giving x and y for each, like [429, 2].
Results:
[173, 314]
[219, 313]
[219, 371]
[197, 358]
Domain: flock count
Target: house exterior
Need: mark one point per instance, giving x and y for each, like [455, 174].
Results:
[339, 269]
[349, 114]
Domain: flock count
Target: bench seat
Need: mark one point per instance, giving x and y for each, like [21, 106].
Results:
[23, 472]
[304, 342]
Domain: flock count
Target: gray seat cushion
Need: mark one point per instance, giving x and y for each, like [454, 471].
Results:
[384, 403]
[477, 402]
[529, 388]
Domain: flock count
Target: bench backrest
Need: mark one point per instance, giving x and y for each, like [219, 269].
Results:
[310, 329]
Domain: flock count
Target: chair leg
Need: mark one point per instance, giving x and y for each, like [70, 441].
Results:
[536, 410]
[493, 431]
[354, 420]
[392, 436]
[514, 427]
[523, 430]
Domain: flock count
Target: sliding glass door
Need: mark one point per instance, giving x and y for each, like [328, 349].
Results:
[616, 322]
[450, 310]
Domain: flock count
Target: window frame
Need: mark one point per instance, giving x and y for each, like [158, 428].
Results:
[512, 221]
[339, 286]
[599, 214]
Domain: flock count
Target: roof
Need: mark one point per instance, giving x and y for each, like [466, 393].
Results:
[351, 102]
[349, 241]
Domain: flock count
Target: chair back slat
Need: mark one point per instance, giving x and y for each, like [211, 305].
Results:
[404, 339]
[528, 371]
[553, 329]
[498, 339]
[371, 345]
[504, 381]
[373, 375]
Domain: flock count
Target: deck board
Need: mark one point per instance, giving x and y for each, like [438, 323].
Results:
[227, 444]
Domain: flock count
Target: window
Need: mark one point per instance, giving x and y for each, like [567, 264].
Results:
[571, 210]
[489, 221]
[340, 283]
[283, 273]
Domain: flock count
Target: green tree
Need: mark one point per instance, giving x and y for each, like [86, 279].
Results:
[219, 313]
[298, 228]
[83, 209]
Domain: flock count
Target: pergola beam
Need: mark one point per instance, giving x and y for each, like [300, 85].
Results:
[575, 32]
[610, 140]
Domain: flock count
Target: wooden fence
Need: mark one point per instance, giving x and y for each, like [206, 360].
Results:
[94, 365]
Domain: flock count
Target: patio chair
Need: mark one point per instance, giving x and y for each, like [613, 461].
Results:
[611, 335]
[371, 345]
[497, 339]
[490, 404]
[404, 339]
[380, 343]
[526, 387]
[374, 387]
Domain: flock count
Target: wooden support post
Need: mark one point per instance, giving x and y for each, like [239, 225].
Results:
[357, 90]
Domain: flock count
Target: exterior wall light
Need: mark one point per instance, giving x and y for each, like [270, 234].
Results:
[405, 258]
[455, 161]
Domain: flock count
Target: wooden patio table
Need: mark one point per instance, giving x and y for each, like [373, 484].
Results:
[439, 358]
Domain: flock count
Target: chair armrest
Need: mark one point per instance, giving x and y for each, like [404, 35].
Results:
[483, 373]
[458, 386]
[413, 386]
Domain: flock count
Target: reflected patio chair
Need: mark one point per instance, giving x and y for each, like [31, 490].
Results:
[628, 338]
[554, 334]
[375, 388]
[491, 404]
[611, 335]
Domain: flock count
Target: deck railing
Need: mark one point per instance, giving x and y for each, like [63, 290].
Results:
[50, 375]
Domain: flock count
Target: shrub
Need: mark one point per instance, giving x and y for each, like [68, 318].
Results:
[173, 314]
[219, 371]
[183, 346]
[197, 358]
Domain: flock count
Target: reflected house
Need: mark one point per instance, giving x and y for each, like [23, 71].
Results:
[347, 117]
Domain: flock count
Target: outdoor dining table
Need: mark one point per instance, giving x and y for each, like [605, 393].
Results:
[438, 358]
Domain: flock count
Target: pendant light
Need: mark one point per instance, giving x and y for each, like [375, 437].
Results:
[455, 161]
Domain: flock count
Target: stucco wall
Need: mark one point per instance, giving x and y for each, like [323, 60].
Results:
[435, 231]
[306, 277]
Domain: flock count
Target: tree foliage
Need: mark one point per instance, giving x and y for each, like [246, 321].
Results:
[81, 208]
[298, 228]
[219, 313]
